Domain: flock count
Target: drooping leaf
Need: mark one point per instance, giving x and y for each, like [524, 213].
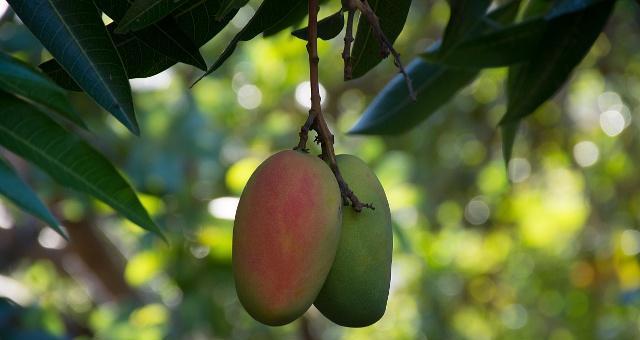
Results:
[226, 6]
[566, 41]
[292, 19]
[143, 13]
[18, 192]
[465, 15]
[164, 36]
[392, 111]
[72, 30]
[509, 132]
[67, 159]
[21, 79]
[140, 61]
[366, 48]
[506, 46]
[271, 13]
[328, 28]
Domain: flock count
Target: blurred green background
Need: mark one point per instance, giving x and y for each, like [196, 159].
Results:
[547, 248]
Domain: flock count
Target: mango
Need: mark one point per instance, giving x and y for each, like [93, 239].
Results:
[285, 236]
[356, 290]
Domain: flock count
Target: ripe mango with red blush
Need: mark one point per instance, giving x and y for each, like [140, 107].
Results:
[285, 236]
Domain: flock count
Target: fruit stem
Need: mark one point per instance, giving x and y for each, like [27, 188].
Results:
[316, 119]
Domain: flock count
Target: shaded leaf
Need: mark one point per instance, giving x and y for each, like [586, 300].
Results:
[18, 192]
[67, 159]
[366, 48]
[271, 13]
[227, 6]
[72, 30]
[509, 132]
[392, 111]
[140, 61]
[21, 79]
[143, 13]
[506, 46]
[465, 15]
[328, 28]
[566, 41]
[165, 36]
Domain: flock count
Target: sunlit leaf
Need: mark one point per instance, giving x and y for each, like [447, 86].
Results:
[67, 159]
[72, 30]
[18, 192]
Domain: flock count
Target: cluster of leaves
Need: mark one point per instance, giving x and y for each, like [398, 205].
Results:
[541, 44]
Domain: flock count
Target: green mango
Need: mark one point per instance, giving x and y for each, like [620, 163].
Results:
[356, 290]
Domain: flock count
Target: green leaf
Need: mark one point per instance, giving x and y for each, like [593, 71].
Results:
[67, 159]
[18, 192]
[392, 111]
[328, 28]
[566, 41]
[509, 132]
[165, 36]
[140, 61]
[465, 15]
[271, 13]
[143, 13]
[227, 6]
[21, 79]
[506, 46]
[72, 30]
[366, 48]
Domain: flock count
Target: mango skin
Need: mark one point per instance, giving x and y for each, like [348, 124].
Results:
[356, 290]
[285, 236]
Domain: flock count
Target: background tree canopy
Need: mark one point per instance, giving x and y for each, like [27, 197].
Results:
[493, 239]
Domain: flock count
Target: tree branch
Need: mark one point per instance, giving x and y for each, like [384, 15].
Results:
[348, 40]
[316, 119]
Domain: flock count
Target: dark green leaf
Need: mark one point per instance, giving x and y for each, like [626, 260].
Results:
[69, 160]
[143, 13]
[509, 132]
[392, 111]
[271, 13]
[506, 46]
[18, 192]
[140, 61]
[72, 30]
[328, 28]
[465, 15]
[165, 36]
[227, 6]
[566, 41]
[366, 48]
[21, 79]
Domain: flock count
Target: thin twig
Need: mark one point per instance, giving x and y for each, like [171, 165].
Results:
[386, 47]
[348, 40]
[319, 123]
